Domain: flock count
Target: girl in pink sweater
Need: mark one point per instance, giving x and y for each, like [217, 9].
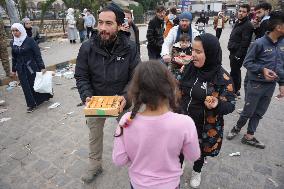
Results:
[150, 141]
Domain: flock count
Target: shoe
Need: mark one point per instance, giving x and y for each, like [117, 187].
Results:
[91, 175]
[2, 102]
[233, 133]
[30, 109]
[253, 142]
[239, 111]
[195, 179]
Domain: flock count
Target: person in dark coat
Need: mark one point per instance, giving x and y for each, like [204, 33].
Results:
[26, 61]
[262, 12]
[207, 94]
[130, 27]
[105, 65]
[80, 27]
[32, 31]
[239, 42]
[155, 34]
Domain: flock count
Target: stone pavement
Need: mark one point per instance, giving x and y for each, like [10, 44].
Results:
[48, 148]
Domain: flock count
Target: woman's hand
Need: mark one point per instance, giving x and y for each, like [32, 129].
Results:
[212, 103]
[13, 74]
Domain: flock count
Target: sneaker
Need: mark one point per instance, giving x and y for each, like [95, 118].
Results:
[30, 109]
[91, 175]
[233, 133]
[2, 102]
[195, 179]
[253, 142]
[239, 111]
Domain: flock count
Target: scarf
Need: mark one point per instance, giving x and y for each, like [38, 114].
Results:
[18, 41]
[29, 32]
[179, 32]
[212, 65]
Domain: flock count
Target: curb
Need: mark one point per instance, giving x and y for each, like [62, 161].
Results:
[60, 65]
[6, 80]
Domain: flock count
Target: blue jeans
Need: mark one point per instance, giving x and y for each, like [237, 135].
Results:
[82, 35]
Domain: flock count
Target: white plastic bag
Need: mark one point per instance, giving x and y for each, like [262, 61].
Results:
[43, 82]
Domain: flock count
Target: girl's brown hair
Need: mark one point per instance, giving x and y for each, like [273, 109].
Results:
[152, 83]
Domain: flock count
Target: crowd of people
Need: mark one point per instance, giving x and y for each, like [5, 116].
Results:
[173, 105]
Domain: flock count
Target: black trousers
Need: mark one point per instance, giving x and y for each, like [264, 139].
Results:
[198, 164]
[236, 71]
[218, 32]
[257, 100]
[154, 53]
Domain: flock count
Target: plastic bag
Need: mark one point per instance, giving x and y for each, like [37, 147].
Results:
[43, 82]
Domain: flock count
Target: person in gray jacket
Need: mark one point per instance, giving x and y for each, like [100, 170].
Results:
[265, 66]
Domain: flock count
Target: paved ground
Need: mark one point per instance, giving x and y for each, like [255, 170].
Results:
[48, 148]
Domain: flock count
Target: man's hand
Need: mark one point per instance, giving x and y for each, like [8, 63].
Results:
[269, 74]
[122, 104]
[237, 58]
[281, 92]
[213, 104]
[255, 23]
[88, 99]
[125, 27]
[167, 58]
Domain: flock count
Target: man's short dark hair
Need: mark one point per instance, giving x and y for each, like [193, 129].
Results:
[264, 6]
[127, 11]
[119, 14]
[160, 8]
[246, 6]
[173, 10]
[276, 18]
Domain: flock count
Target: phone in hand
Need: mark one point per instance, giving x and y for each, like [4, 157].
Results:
[126, 21]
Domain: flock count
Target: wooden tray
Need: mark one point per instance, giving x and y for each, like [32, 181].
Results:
[103, 106]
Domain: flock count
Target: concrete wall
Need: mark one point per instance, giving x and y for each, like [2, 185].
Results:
[216, 7]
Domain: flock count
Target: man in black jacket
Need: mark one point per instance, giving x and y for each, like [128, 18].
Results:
[105, 65]
[239, 42]
[155, 34]
[262, 11]
[131, 28]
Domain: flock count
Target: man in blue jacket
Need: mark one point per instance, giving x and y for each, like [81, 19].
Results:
[265, 66]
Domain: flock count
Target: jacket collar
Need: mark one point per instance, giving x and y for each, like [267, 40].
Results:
[241, 22]
[270, 40]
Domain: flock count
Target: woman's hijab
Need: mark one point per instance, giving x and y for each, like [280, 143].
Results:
[213, 61]
[18, 41]
[213, 54]
[28, 30]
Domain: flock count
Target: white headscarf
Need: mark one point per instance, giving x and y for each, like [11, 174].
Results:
[70, 11]
[26, 19]
[18, 41]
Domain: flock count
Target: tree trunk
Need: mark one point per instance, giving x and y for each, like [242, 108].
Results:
[12, 11]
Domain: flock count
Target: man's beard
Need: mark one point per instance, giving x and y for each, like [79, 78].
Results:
[185, 29]
[109, 41]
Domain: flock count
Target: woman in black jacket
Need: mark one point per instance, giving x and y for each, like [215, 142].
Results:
[26, 61]
[207, 95]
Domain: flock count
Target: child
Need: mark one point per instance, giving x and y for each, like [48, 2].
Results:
[265, 66]
[181, 54]
[151, 141]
